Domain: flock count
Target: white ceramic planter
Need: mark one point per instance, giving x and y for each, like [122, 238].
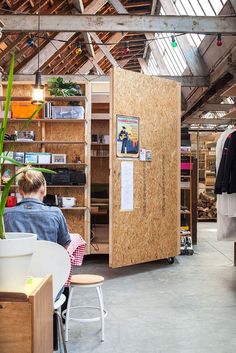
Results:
[15, 255]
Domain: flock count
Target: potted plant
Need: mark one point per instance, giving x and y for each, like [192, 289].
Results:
[16, 249]
[58, 87]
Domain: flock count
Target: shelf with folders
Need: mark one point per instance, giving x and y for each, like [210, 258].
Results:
[188, 185]
[68, 142]
[100, 180]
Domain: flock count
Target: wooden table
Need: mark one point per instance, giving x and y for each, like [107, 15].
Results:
[27, 319]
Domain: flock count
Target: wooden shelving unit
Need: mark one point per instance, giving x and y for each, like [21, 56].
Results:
[100, 175]
[47, 99]
[60, 136]
[189, 195]
[47, 142]
[47, 120]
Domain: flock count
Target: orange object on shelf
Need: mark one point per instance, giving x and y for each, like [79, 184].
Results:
[23, 110]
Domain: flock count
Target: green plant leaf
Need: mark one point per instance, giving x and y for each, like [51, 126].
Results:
[12, 160]
[7, 103]
[28, 121]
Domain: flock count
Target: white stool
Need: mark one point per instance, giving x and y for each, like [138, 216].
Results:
[85, 281]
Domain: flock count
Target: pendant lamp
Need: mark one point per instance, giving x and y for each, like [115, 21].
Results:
[38, 88]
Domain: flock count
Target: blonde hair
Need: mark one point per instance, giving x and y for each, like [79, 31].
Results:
[29, 180]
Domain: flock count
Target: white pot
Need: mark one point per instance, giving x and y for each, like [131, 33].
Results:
[15, 255]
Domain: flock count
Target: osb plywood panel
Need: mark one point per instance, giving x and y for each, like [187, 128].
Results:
[100, 127]
[100, 107]
[65, 132]
[74, 218]
[75, 221]
[99, 170]
[151, 230]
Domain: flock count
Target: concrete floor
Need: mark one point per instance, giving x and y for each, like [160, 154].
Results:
[187, 307]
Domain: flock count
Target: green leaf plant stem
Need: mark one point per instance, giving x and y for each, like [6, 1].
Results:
[3, 156]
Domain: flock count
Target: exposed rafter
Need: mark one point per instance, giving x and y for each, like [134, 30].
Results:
[233, 3]
[104, 49]
[216, 107]
[51, 48]
[78, 4]
[144, 67]
[120, 23]
[97, 67]
[112, 41]
[118, 6]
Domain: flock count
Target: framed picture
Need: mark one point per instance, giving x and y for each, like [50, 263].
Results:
[58, 158]
[127, 136]
[31, 158]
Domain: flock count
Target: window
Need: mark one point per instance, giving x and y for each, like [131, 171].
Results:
[174, 57]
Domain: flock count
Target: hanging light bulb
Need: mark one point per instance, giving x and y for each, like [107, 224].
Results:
[219, 41]
[127, 49]
[38, 89]
[78, 49]
[173, 42]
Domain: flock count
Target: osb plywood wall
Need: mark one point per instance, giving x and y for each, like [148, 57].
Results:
[151, 230]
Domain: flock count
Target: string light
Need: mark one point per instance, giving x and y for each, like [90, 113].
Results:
[78, 49]
[127, 49]
[219, 41]
[30, 42]
[173, 42]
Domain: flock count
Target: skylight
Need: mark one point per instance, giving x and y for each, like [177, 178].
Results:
[174, 57]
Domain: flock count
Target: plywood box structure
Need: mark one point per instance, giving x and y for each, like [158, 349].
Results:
[151, 230]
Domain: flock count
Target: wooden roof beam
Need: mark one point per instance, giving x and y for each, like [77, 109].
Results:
[120, 23]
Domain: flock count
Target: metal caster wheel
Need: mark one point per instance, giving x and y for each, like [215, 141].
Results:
[170, 260]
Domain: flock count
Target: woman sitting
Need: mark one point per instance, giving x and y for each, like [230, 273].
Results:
[31, 215]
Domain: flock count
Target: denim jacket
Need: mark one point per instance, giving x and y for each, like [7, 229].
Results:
[33, 216]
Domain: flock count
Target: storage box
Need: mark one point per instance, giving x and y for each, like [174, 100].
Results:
[23, 110]
[67, 112]
[68, 201]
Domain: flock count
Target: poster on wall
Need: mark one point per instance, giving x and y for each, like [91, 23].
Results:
[127, 136]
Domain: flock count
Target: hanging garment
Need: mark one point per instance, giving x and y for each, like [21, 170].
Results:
[226, 203]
